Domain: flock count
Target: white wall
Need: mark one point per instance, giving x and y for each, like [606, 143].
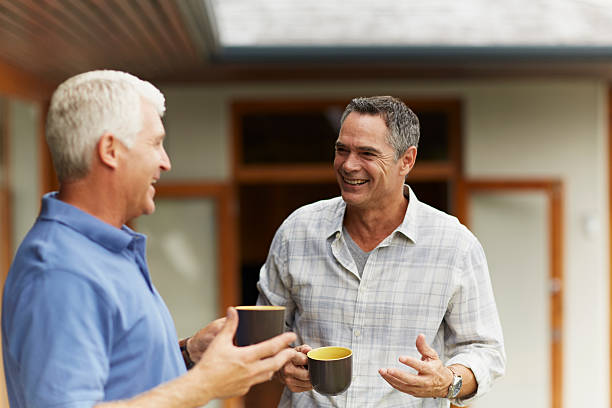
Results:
[520, 128]
[196, 135]
[565, 136]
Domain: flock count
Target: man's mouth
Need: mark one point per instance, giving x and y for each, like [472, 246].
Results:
[354, 182]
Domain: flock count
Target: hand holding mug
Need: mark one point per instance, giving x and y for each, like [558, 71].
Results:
[294, 374]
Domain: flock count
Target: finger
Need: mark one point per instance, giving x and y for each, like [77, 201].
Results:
[404, 377]
[398, 385]
[231, 323]
[299, 388]
[211, 329]
[264, 369]
[297, 372]
[405, 382]
[295, 383]
[218, 323]
[423, 348]
[304, 348]
[275, 362]
[299, 359]
[418, 365]
[410, 384]
[393, 381]
[272, 346]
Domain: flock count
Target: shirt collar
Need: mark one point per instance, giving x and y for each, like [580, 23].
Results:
[335, 222]
[111, 238]
[408, 227]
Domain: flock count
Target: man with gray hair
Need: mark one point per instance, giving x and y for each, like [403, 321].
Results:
[82, 323]
[376, 269]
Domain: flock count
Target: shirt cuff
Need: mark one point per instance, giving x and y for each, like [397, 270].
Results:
[481, 373]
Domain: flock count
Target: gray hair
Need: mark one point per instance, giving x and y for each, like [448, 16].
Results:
[402, 123]
[88, 105]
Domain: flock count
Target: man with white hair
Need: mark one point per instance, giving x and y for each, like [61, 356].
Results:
[82, 323]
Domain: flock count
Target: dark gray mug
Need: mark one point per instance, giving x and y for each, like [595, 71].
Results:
[330, 369]
[259, 323]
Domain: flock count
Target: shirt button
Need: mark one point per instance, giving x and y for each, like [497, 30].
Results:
[357, 332]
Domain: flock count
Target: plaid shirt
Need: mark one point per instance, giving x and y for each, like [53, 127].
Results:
[429, 276]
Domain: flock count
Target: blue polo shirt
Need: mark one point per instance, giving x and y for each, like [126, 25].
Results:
[81, 321]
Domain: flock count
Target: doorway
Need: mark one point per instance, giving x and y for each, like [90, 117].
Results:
[520, 226]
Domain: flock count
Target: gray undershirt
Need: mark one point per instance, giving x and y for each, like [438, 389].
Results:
[359, 255]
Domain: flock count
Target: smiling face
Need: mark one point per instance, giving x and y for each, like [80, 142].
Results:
[367, 172]
[143, 164]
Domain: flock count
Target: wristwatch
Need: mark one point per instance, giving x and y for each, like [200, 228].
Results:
[455, 387]
[186, 357]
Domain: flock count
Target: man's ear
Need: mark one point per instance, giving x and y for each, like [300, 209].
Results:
[108, 150]
[407, 160]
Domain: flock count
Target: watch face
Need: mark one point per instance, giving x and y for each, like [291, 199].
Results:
[456, 387]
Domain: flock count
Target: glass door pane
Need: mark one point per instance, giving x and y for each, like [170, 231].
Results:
[513, 229]
[24, 173]
[182, 256]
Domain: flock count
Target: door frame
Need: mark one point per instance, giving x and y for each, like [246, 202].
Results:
[554, 192]
[610, 233]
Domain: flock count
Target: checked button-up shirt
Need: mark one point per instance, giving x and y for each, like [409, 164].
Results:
[429, 276]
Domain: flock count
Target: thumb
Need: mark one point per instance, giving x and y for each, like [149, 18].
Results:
[231, 324]
[427, 352]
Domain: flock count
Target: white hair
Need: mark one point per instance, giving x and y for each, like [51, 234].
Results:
[88, 105]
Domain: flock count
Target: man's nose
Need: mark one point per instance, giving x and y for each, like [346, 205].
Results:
[351, 162]
[165, 161]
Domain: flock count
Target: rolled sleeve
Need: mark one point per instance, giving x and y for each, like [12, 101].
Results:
[475, 337]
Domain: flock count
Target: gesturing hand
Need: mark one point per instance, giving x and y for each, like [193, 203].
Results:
[432, 380]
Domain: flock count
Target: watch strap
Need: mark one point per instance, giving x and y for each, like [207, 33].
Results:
[186, 357]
